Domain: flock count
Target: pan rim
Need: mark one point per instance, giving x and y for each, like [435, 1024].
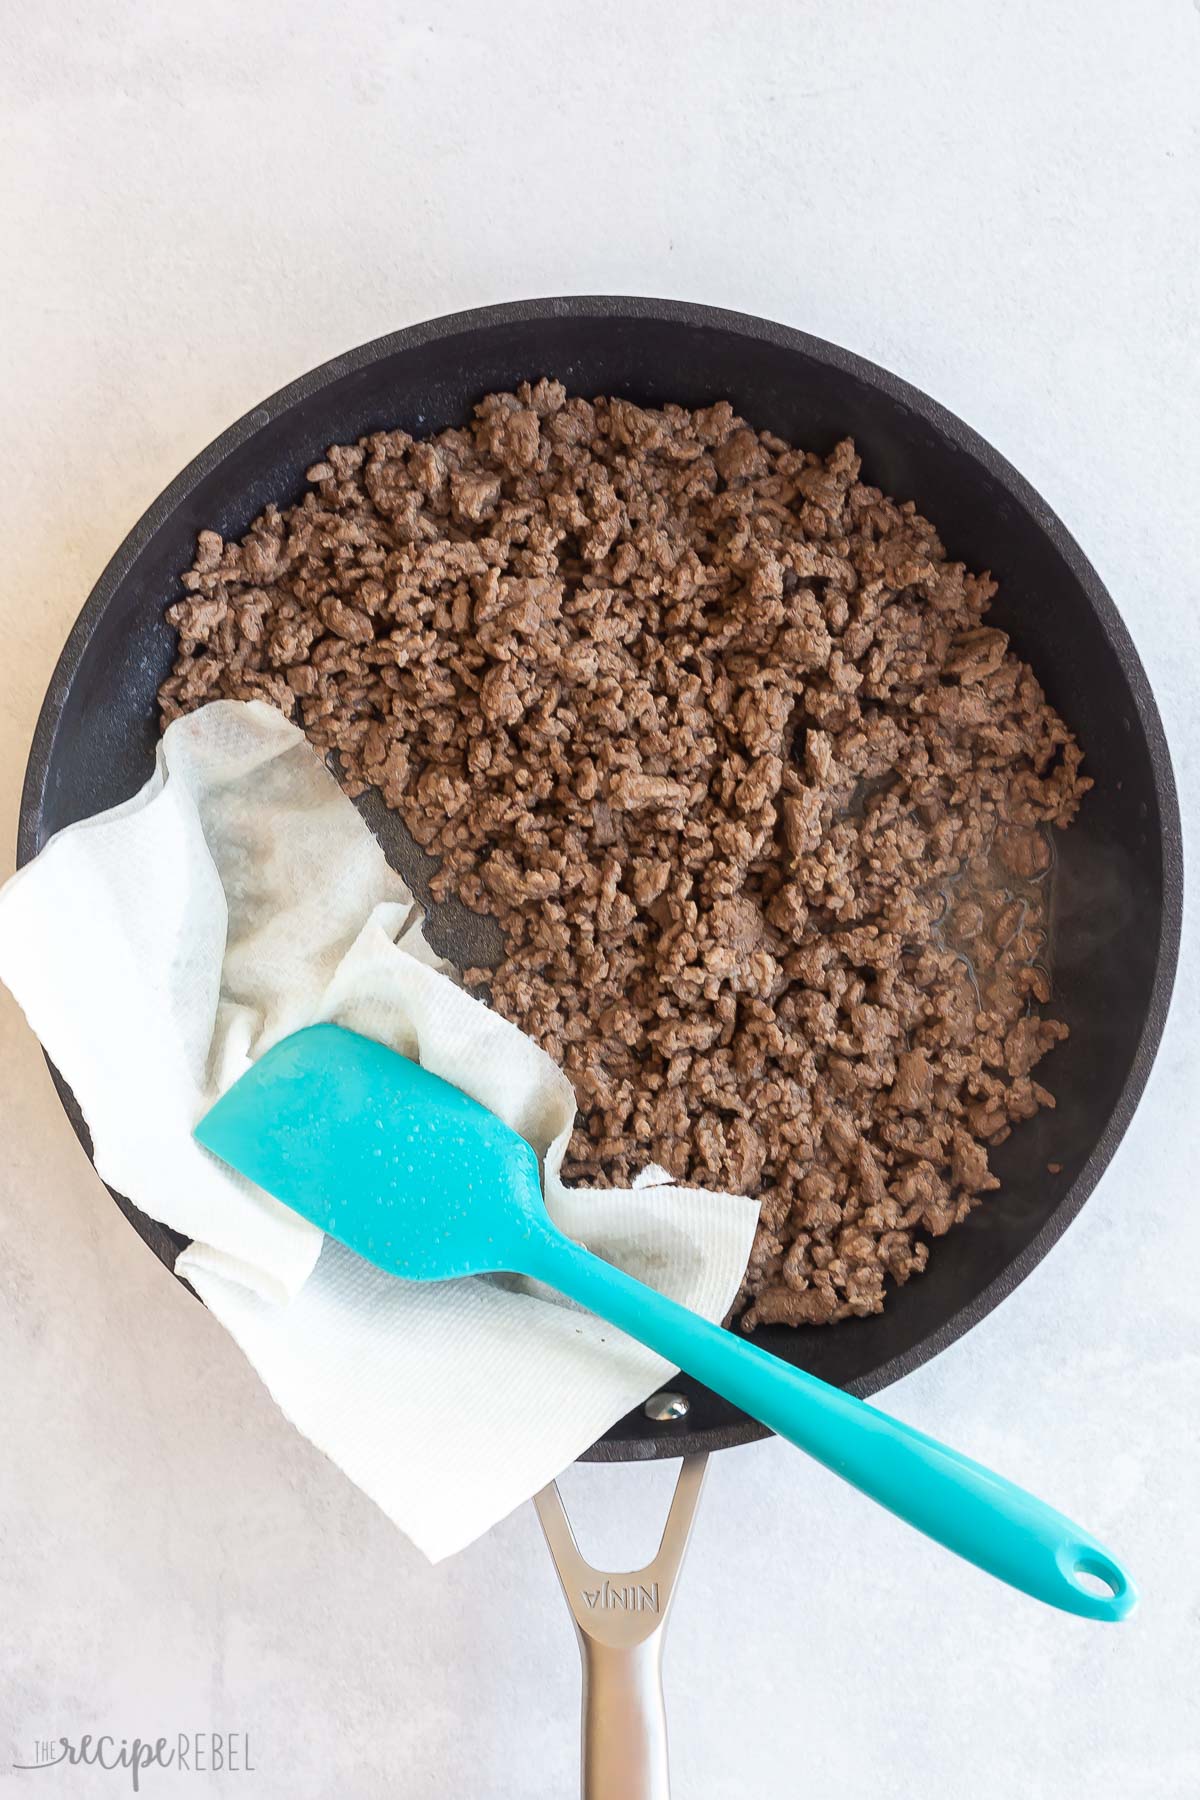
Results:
[947, 425]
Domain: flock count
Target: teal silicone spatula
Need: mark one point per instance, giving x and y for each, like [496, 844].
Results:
[423, 1181]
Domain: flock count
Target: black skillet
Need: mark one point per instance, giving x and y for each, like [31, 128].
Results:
[1118, 886]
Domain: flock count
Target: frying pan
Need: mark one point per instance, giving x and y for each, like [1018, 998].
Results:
[1118, 884]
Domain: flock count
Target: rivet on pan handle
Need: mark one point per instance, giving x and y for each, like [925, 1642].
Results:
[621, 1621]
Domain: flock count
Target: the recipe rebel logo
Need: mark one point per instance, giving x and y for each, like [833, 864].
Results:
[189, 1752]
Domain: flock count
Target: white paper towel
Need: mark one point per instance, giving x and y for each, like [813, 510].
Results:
[158, 949]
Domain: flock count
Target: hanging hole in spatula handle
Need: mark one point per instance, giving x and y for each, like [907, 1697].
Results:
[1102, 1583]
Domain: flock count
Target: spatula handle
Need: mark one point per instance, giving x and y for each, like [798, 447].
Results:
[960, 1504]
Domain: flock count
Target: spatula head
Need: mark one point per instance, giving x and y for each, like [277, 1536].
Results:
[389, 1159]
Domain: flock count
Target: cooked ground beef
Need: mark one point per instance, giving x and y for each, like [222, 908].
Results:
[717, 733]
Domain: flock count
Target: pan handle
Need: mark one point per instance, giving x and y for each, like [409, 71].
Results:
[620, 1622]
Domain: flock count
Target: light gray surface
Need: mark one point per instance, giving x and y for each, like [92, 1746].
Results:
[999, 202]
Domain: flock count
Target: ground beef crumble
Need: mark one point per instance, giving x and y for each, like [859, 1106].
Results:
[717, 733]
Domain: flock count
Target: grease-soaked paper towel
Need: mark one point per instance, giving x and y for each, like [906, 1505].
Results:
[159, 948]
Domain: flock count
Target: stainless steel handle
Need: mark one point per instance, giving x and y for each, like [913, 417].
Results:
[624, 1750]
[620, 1622]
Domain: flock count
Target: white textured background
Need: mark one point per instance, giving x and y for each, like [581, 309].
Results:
[201, 200]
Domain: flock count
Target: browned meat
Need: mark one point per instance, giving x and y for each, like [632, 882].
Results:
[716, 731]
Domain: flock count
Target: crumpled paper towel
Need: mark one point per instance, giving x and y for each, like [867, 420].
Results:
[157, 949]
